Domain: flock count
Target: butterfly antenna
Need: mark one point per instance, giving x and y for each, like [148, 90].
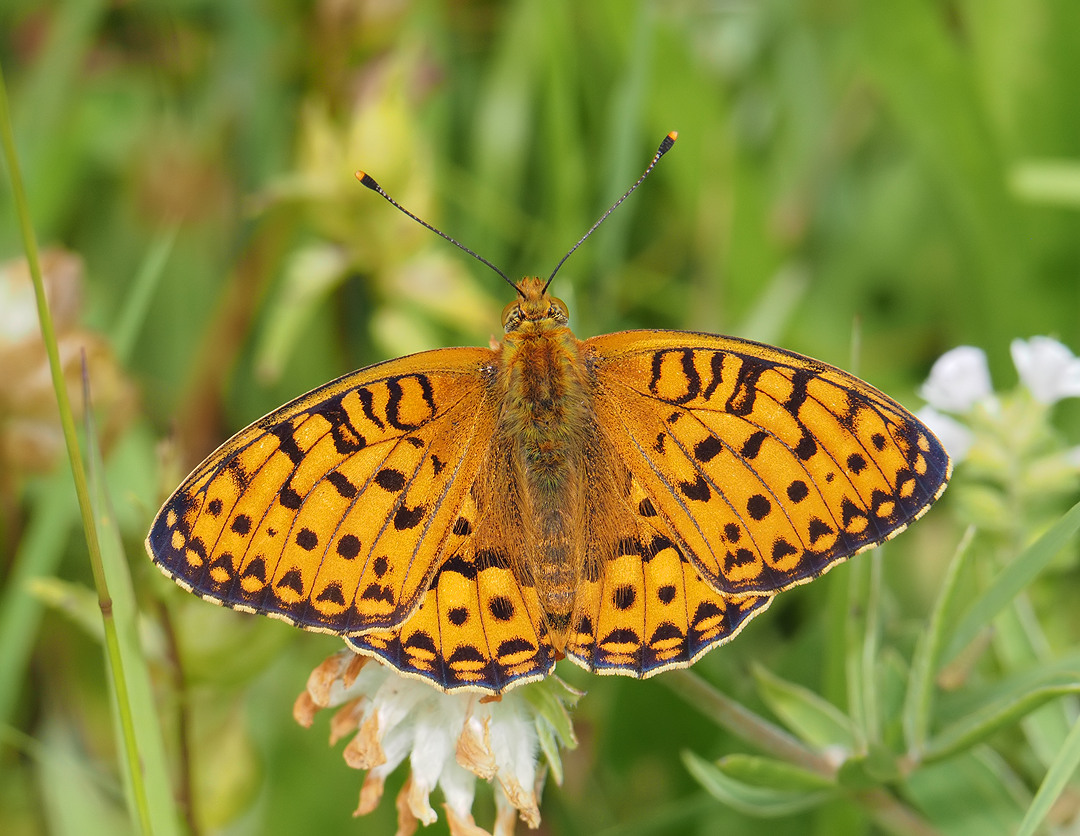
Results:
[369, 181]
[665, 146]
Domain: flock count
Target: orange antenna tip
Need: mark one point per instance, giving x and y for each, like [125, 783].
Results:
[665, 146]
[367, 180]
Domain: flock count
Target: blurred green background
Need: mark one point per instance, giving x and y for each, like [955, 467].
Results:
[869, 183]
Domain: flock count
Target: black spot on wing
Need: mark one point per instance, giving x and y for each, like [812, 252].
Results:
[798, 490]
[292, 580]
[256, 568]
[307, 539]
[462, 527]
[698, 489]
[758, 506]
[458, 616]
[347, 439]
[406, 518]
[332, 594]
[806, 447]
[465, 568]
[286, 437]
[742, 398]
[624, 596]
[377, 592]
[752, 446]
[342, 485]
[348, 546]
[290, 499]
[501, 608]
[707, 449]
[818, 529]
[390, 480]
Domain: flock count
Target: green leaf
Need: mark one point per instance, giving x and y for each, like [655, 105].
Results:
[132, 316]
[974, 794]
[864, 772]
[812, 718]
[770, 773]
[554, 727]
[744, 723]
[1006, 709]
[551, 697]
[760, 802]
[1010, 580]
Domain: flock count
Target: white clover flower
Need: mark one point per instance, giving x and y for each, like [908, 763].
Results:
[955, 436]
[1048, 369]
[30, 436]
[450, 740]
[959, 379]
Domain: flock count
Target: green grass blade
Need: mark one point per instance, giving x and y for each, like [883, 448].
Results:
[861, 649]
[980, 724]
[141, 811]
[918, 703]
[1013, 578]
[74, 802]
[929, 90]
[126, 329]
[1047, 182]
[151, 764]
[52, 512]
[1057, 776]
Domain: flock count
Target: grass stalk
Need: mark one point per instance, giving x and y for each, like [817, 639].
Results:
[78, 471]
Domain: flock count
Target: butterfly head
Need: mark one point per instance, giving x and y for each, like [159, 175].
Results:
[534, 307]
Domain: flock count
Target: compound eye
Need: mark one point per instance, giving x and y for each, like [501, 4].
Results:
[511, 316]
[559, 310]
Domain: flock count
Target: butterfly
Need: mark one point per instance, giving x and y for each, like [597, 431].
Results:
[471, 515]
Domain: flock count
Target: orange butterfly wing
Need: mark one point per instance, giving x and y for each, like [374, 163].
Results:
[765, 467]
[648, 609]
[332, 511]
[349, 511]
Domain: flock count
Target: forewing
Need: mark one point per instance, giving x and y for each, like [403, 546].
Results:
[767, 467]
[334, 511]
